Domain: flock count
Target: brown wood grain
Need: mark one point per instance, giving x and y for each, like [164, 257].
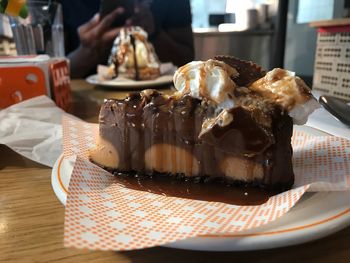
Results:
[31, 217]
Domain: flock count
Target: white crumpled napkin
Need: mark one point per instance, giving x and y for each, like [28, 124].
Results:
[324, 121]
[33, 129]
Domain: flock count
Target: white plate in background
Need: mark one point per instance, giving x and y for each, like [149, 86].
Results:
[124, 83]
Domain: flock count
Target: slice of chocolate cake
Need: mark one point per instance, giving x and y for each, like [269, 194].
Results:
[227, 120]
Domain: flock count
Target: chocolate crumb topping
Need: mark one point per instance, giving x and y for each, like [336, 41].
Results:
[248, 70]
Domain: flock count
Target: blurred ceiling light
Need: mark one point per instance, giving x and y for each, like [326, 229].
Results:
[230, 6]
[245, 15]
[235, 6]
[230, 27]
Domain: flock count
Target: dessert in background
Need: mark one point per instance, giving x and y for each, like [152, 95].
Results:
[229, 120]
[132, 56]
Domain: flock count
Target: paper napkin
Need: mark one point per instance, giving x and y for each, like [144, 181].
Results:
[101, 214]
[33, 129]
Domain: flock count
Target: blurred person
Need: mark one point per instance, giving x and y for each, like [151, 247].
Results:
[7, 46]
[89, 38]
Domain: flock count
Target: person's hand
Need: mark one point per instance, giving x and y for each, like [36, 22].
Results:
[142, 17]
[96, 36]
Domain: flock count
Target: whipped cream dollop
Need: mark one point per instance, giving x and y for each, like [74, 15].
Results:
[209, 80]
[212, 80]
[289, 91]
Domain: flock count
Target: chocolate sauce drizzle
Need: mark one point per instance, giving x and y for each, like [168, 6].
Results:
[133, 43]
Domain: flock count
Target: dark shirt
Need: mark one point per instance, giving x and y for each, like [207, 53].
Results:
[167, 14]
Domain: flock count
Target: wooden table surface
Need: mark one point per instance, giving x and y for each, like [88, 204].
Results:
[31, 217]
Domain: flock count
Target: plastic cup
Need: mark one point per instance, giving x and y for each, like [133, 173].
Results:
[41, 32]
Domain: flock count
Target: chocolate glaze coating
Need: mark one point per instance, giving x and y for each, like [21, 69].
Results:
[261, 135]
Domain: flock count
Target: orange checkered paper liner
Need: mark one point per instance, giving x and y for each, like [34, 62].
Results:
[101, 214]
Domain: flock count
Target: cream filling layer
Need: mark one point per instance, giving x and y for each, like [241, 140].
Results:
[104, 154]
[167, 158]
[241, 169]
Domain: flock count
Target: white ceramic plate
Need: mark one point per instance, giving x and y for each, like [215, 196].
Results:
[315, 216]
[123, 83]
